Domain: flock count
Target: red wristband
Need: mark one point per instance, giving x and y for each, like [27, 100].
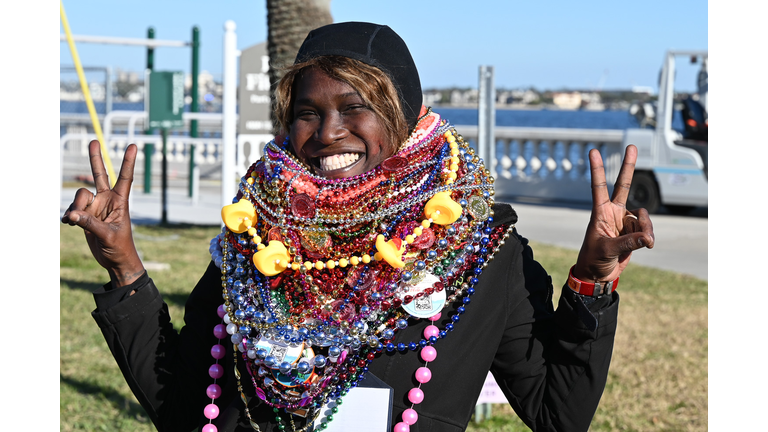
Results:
[591, 289]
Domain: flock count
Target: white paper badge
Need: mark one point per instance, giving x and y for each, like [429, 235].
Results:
[367, 407]
[424, 306]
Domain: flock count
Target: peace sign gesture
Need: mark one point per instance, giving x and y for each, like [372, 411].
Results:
[613, 232]
[105, 219]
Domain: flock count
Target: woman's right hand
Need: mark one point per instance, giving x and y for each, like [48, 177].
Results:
[105, 219]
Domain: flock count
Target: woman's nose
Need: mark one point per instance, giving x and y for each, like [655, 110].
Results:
[331, 129]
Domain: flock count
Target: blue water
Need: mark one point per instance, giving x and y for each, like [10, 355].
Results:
[546, 118]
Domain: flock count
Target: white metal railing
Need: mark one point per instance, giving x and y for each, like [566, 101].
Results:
[207, 150]
[550, 163]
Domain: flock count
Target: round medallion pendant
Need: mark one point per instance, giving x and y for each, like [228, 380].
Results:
[274, 234]
[303, 206]
[478, 208]
[315, 241]
[394, 164]
[426, 305]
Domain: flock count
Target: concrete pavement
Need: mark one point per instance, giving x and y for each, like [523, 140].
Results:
[681, 241]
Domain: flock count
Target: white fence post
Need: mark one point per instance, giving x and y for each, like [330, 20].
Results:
[229, 105]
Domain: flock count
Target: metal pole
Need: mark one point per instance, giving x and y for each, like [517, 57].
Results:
[164, 219]
[666, 94]
[149, 148]
[228, 132]
[150, 50]
[150, 42]
[486, 118]
[193, 184]
[108, 91]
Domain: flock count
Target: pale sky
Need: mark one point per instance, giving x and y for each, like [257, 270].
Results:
[545, 44]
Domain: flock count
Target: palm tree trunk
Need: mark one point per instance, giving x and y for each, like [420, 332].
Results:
[288, 23]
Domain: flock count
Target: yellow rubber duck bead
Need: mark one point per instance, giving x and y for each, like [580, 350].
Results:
[252, 232]
[454, 152]
[442, 209]
[454, 167]
[452, 175]
[391, 251]
[425, 223]
[343, 262]
[331, 264]
[354, 260]
[319, 265]
[234, 215]
[409, 239]
[260, 246]
[366, 259]
[377, 256]
[273, 259]
[308, 265]
[418, 231]
[257, 240]
[295, 266]
[249, 180]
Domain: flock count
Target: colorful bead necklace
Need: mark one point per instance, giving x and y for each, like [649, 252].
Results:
[319, 275]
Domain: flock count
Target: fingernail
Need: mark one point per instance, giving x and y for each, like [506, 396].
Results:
[641, 241]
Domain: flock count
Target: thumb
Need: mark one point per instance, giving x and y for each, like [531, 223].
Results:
[88, 222]
[627, 243]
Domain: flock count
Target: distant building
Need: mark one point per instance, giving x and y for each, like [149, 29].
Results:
[432, 98]
[569, 101]
[642, 89]
[467, 97]
[127, 76]
[592, 101]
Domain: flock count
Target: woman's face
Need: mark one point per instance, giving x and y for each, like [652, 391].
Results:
[333, 130]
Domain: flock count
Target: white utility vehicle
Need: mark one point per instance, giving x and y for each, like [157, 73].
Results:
[671, 165]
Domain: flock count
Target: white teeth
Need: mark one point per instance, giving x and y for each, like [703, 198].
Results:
[338, 161]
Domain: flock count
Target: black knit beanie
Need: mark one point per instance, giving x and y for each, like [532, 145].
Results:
[375, 45]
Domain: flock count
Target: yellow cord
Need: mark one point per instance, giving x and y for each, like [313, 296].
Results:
[88, 100]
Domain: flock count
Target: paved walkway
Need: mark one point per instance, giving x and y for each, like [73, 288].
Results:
[681, 241]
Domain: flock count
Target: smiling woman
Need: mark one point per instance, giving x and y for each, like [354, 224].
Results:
[366, 233]
[371, 85]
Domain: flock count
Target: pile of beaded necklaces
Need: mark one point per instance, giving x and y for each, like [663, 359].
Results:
[318, 275]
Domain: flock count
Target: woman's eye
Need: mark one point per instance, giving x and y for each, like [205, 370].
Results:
[305, 114]
[355, 107]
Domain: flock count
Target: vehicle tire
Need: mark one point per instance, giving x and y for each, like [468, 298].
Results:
[679, 209]
[643, 193]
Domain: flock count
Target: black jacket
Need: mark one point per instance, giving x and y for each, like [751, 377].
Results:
[551, 365]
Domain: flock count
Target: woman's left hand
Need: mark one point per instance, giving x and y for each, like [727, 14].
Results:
[613, 231]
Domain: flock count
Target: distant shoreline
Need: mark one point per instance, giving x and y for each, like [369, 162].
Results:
[547, 107]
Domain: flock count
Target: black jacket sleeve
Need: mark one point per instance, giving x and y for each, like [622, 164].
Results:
[162, 366]
[553, 365]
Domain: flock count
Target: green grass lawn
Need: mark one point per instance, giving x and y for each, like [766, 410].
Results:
[658, 378]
